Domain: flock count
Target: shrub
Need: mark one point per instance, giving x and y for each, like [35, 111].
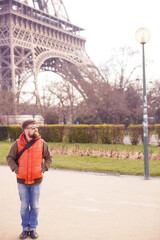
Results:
[104, 134]
[61, 129]
[136, 133]
[109, 133]
[157, 128]
[14, 132]
[50, 133]
[3, 133]
[150, 129]
[118, 133]
[79, 133]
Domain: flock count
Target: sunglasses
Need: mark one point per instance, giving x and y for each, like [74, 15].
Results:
[33, 127]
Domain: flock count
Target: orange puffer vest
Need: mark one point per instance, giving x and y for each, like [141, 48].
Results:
[30, 162]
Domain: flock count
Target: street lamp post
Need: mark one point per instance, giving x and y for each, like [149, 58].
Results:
[143, 36]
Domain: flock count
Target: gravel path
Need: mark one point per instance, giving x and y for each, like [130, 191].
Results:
[153, 140]
[86, 206]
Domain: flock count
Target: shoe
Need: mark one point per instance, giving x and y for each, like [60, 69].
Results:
[23, 235]
[33, 234]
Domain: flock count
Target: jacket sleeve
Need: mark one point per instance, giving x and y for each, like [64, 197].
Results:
[11, 158]
[47, 157]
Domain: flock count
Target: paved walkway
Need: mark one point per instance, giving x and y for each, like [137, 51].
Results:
[86, 206]
[153, 140]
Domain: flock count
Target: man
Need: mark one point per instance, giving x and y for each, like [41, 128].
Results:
[29, 167]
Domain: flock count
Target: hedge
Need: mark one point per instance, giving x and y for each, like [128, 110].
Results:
[14, 132]
[108, 133]
[157, 129]
[136, 133]
[50, 133]
[105, 133]
[80, 134]
[3, 133]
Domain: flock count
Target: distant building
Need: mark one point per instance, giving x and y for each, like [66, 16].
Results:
[18, 119]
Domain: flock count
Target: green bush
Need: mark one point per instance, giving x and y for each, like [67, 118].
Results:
[104, 134]
[150, 129]
[157, 129]
[136, 133]
[50, 133]
[3, 133]
[14, 132]
[79, 133]
[108, 133]
[61, 129]
[118, 133]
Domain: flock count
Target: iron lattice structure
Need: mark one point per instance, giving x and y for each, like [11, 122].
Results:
[37, 35]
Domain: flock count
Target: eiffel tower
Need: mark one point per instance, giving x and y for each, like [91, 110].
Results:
[37, 35]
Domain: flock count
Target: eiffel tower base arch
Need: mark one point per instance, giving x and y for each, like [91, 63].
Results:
[32, 40]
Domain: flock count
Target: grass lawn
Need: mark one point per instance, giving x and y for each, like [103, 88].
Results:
[95, 163]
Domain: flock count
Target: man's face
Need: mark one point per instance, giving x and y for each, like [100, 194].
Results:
[31, 131]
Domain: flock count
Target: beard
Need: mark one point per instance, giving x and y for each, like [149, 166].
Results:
[34, 135]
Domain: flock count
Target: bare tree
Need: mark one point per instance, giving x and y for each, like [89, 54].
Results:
[6, 103]
[66, 100]
[153, 101]
[120, 69]
[134, 104]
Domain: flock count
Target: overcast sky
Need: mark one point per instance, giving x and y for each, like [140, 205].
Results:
[112, 24]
